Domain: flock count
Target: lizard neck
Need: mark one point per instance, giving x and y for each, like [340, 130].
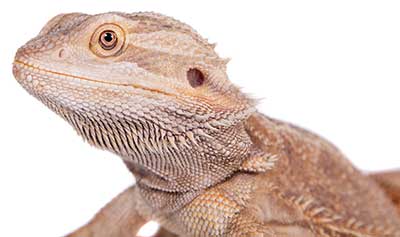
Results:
[177, 178]
[193, 167]
[167, 163]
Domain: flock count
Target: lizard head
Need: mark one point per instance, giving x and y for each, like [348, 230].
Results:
[129, 80]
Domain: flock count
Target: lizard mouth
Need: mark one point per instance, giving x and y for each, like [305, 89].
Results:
[19, 66]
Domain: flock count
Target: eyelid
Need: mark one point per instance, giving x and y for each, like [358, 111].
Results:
[95, 45]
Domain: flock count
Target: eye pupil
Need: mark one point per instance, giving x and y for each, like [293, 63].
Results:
[108, 40]
[108, 36]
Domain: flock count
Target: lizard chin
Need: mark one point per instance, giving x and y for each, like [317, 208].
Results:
[149, 139]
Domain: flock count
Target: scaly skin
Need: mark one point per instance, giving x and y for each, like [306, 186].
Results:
[151, 90]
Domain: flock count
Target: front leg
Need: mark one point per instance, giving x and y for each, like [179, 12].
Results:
[122, 217]
[162, 232]
[248, 225]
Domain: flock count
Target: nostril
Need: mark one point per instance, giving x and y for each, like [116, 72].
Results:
[62, 53]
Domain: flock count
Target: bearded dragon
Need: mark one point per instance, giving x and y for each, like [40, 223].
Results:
[153, 91]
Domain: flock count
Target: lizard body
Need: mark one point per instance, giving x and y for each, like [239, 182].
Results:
[153, 91]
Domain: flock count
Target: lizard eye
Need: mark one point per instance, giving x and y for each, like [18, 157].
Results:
[108, 40]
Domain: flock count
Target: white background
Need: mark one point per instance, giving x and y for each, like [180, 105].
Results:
[329, 66]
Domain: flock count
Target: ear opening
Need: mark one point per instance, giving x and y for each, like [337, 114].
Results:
[195, 77]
